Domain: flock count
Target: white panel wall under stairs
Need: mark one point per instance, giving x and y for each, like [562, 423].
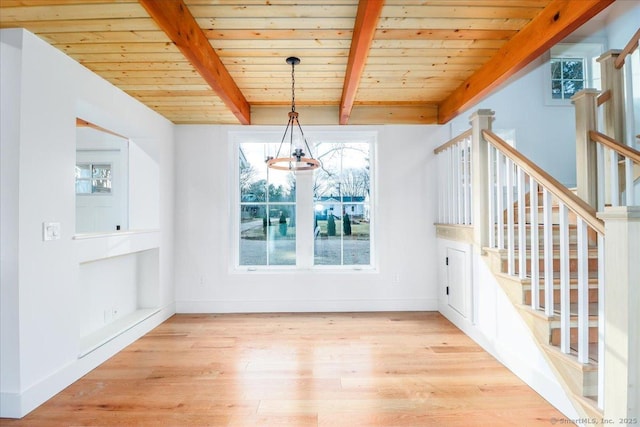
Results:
[498, 328]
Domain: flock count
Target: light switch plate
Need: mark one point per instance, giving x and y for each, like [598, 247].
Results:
[50, 231]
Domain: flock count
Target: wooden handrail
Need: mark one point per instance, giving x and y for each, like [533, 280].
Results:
[453, 141]
[573, 202]
[611, 143]
[603, 97]
[628, 50]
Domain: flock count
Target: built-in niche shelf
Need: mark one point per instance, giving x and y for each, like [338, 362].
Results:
[96, 246]
[105, 334]
[119, 284]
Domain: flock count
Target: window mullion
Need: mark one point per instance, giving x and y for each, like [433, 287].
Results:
[304, 219]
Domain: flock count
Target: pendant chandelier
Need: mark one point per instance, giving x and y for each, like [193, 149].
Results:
[296, 158]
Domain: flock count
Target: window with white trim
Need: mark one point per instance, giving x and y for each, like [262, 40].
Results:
[568, 76]
[320, 218]
[571, 68]
[93, 178]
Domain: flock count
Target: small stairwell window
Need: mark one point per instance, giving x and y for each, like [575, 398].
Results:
[571, 68]
[567, 77]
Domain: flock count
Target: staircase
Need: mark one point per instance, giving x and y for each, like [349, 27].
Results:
[545, 244]
[580, 380]
[546, 248]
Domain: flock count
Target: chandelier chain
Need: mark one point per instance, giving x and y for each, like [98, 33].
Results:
[293, 88]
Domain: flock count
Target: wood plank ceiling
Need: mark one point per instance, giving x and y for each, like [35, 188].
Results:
[393, 61]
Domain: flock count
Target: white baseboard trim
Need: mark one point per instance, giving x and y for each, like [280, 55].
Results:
[17, 405]
[302, 306]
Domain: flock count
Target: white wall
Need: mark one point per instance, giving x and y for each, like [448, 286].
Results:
[144, 193]
[43, 91]
[110, 283]
[10, 84]
[404, 232]
[545, 134]
[622, 23]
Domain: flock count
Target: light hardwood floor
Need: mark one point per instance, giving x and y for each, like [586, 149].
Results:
[350, 369]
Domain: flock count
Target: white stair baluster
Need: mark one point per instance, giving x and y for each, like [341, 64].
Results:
[535, 249]
[458, 182]
[470, 175]
[600, 176]
[548, 252]
[565, 289]
[522, 226]
[628, 188]
[583, 292]
[510, 221]
[442, 188]
[500, 159]
[449, 187]
[439, 188]
[601, 321]
[466, 177]
[615, 185]
[492, 196]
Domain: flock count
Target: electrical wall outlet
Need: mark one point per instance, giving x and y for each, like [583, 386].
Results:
[50, 231]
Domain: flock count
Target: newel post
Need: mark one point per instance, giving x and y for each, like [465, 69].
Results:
[613, 116]
[480, 120]
[612, 81]
[585, 103]
[622, 312]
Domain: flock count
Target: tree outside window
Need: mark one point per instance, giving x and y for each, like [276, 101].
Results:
[567, 77]
[267, 211]
[342, 205]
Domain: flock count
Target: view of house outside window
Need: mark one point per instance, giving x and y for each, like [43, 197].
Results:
[341, 207]
[342, 211]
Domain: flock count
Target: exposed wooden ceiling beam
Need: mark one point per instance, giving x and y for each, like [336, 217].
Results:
[175, 19]
[363, 32]
[555, 22]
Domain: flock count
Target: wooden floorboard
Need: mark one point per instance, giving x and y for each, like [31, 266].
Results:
[346, 369]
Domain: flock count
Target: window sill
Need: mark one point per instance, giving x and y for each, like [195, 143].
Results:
[324, 269]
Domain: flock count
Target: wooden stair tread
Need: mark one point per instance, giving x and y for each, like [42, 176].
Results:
[572, 358]
[573, 310]
[573, 276]
[573, 284]
[573, 249]
[593, 352]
